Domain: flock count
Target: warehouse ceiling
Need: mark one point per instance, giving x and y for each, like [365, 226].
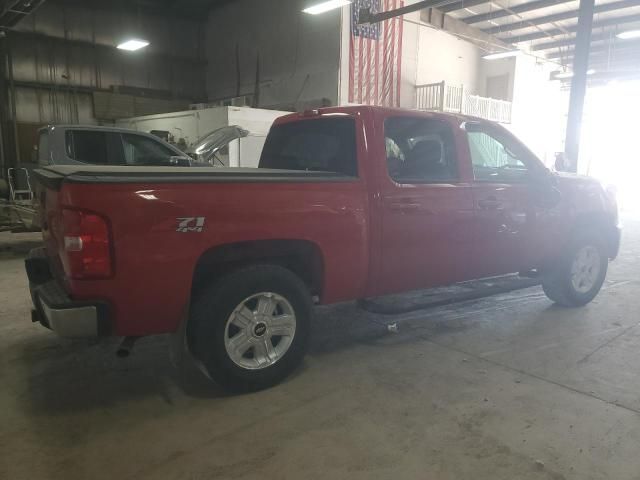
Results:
[13, 11]
[548, 28]
[191, 6]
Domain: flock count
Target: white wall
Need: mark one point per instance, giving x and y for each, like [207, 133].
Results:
[410, 59]
[191, 125]
[299, 53]
[495, 68]
[188, 125]
[442, 56]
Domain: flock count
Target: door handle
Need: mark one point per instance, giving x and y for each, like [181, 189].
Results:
[489, 203]
[404, 206]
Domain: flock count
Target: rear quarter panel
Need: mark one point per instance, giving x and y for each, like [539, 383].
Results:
[154, 263]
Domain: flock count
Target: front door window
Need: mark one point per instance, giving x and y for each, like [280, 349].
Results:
[493, 160]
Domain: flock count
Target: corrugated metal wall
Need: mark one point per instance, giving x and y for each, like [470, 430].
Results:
[66, 69]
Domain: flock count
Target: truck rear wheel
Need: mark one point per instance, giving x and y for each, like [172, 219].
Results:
[250, 329]
[579, 276]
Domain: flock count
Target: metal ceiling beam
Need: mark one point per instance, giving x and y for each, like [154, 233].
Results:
[606, 48]
[435, 17]
[608, 7]
[602, 64]
[460, 4]
[570, 41]
[630, 56]
[365, 15]
[15, 10]
[607, 22]
[523, 8]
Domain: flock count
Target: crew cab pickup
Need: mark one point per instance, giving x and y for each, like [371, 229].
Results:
[348, 203]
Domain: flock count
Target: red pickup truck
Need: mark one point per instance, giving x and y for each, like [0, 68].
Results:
[348, 203]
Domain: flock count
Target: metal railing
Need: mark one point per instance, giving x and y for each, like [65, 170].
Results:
[454, 99]
[20, 190]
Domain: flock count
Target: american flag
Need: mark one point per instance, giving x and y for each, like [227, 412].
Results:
[375, 62]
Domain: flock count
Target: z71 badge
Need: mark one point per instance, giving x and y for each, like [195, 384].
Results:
[190, 224]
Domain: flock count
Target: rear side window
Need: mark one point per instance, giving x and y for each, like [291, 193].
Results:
[139, 150]
[320, 145]
[87, 146]
[420, 150]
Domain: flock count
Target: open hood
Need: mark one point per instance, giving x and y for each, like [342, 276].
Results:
[205, 149]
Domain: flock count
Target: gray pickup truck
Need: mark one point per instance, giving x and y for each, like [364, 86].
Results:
[78, 144]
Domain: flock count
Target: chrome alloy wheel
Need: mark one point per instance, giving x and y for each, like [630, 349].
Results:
[260, 331]
[585, 269]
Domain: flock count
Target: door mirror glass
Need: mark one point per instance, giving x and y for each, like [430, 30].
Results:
[179, 161]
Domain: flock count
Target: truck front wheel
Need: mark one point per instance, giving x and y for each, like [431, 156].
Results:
[579, 275]
[250, 329]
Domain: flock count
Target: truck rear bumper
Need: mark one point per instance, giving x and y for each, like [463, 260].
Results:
[55, 310]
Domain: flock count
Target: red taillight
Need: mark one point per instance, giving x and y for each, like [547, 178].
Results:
[86, 249]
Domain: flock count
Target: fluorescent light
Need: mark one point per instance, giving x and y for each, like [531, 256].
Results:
[563, 75]
[326, 6]
[629, 34]
[496, 55]
[133, 45]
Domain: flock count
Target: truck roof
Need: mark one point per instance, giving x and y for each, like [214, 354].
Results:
[92, 127]
[387, 111]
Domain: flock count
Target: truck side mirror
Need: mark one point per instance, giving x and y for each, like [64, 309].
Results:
[177, 161]
[561, 162]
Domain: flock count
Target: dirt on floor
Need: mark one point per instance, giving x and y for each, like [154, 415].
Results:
[508, 387]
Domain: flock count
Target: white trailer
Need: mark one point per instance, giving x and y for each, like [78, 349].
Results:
[187, 127]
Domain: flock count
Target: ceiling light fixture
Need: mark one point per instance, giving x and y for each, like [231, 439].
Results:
[497, 55]
[133, 45]
[565, 75]
[629, 34]
[326, 6]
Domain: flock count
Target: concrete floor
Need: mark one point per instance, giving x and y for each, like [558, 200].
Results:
[504, 388]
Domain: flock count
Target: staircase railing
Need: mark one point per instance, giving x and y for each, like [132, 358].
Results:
[443, 97]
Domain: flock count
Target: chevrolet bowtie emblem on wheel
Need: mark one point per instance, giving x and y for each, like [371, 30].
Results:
[190, 224]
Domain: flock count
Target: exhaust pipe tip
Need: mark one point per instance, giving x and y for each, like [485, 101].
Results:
[123, 352]
[126, 347]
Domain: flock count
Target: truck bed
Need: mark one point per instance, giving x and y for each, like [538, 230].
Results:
[153, 253]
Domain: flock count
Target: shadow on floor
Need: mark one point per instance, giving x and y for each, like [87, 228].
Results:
[65, 376]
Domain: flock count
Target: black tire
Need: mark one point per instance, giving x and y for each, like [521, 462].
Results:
[557, 283]
[211, 311]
